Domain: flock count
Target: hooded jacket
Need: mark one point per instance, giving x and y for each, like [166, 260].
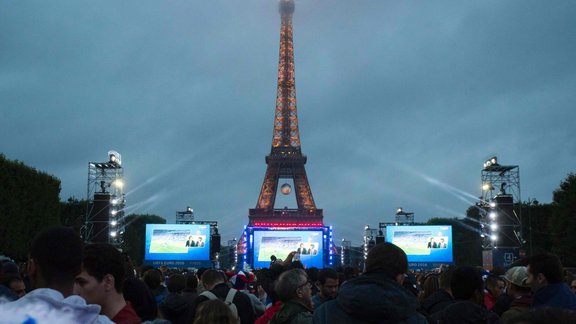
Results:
[555, 295]
[436, 302]
[177, 309]
[46, 305]
[370, 298]
[465, 312]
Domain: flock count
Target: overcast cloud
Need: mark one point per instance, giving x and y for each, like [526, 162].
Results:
[400, 102]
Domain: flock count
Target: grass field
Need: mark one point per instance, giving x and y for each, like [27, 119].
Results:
[160, 245]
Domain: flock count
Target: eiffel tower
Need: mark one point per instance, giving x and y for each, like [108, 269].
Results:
[285, 160]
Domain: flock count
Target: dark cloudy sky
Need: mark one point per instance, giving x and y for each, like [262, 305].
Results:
[400, 102]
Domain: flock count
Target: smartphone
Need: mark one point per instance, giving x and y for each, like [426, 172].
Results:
[296, 257]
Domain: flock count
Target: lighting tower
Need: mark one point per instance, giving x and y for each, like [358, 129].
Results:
[185, 217]
[104, 222]
[403, 217]
[345, 250]
[501, 215]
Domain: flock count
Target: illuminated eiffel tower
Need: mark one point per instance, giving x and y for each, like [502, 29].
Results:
[285, 160]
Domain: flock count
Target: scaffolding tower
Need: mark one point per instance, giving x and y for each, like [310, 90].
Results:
[104, 222]
[500, 205]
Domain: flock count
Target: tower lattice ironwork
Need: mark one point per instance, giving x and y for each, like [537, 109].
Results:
[286, 160]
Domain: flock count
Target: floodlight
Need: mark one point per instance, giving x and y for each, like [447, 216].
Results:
[492, 204]
[115, 157]
[487, 186]
[113, 233]
[494, 237]
[493, 226]
[113, 223]
[113, 212]
[119, 184]
[492, 215]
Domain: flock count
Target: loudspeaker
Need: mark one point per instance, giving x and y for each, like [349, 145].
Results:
[215, 243]
[99, 217]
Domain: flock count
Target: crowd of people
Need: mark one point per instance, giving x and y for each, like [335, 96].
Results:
[66, 281]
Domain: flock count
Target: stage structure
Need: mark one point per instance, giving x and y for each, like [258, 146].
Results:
[185, 217]
[501, 218]
[282, 229]
[104, 222]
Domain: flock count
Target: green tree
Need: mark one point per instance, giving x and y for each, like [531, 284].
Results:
[563, 221]
[73, 213]
[29, 201]
[135, 235]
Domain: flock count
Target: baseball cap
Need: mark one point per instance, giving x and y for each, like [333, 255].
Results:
[517, 276]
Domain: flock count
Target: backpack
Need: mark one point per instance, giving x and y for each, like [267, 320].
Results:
[228, 301]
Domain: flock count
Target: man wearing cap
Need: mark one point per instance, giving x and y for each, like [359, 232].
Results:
[520, 292]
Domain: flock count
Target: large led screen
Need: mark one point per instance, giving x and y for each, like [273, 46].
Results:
[177, 244]
[308, 244]
[423, 243]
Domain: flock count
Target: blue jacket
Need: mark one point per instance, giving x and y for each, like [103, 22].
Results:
[555, 295]
[370, 298]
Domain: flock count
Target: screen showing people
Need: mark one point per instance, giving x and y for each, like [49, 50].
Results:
[432, 243]
[177, 242]
[307, 249]
[307, 244]
[437, 242]
[195, 241]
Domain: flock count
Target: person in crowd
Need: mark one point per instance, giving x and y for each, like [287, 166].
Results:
[6, 294]
[545, 315]
[101, 282]
[411, 284]
[266, 279]
[190, 291]
[137, 293]
[327, 286]
[377, 294]
[240, 282]
[294, 290]
[520, 292]
[16, 284]
[495, 287]
[430, 284]
[154, 280]
[214, 312]
[545, 277]
[176, 308]
[467, 288]
[573, 286]
[442, 297]
[312, 274]
[215, 283]
[55, 258]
